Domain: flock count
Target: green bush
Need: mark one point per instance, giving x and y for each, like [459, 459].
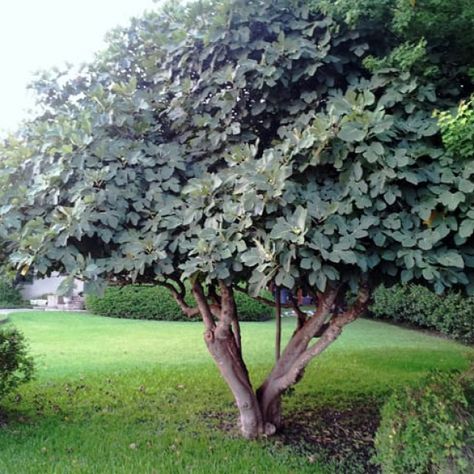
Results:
[458, 131]
[250, 309]
[155, 302]
[452, 313]
[10, 296]
[16, 366]
[427, 429]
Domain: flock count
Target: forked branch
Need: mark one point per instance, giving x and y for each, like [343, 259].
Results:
[204, 308]
[179, 297]
[327, 336]
[262, 299]
[229, 316]
[300, 314]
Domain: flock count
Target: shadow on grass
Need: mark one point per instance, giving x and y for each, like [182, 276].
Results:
[342, 438]
[329, 418]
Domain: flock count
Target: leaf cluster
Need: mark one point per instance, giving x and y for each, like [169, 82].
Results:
[426, 428]
[249, 145]
[458, 129]
[16, 365]
[445, 28]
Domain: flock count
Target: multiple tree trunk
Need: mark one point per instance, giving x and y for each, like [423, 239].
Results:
[260, 410]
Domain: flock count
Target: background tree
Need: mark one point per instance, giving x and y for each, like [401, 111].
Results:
[432, 36]
[234, 144]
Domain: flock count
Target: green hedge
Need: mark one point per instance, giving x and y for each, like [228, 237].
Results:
[10, 296]
[428, 428]
[155, 302]
[451, 314]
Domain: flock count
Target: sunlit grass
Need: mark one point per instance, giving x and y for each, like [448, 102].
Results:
[126, 396]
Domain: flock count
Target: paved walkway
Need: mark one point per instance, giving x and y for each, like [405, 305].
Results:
[16, 310]
[5, 312]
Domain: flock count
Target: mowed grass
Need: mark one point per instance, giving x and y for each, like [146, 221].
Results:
[125, 396]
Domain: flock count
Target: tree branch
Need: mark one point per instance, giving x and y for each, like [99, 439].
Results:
[203, 306]
[279, 379]
[325, 301]
[301, 315]
[181, 286]
[359, 307]
[229, 316]
[212, 293]
[179, 298]
[327, 336]
[227, 313]
[262, 299]
[278, 323]
[258, 298]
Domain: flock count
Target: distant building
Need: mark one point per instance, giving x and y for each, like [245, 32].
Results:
[37, 288]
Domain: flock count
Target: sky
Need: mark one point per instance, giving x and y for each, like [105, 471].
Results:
[40, 34]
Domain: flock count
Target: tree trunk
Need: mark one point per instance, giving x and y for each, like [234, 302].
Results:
[277, 322]
[269, 394]
[223, 342]
[290, 368]
[270, 408]
[224, 350]
[260, 413]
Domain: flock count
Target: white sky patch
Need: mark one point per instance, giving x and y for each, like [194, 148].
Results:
[40, 34]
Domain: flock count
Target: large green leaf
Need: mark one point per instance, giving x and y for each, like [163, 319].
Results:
[352, 132]
[451, 259]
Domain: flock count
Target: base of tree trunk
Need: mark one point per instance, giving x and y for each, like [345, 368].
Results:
[260, 412]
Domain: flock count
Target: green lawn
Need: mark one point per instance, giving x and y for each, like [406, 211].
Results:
[124, 396]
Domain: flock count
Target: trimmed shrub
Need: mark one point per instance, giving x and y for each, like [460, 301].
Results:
[250, 309]
[16, 366]
[10, 296]
[155, 302]
[427, 429]
[451, 313]
[135, 302]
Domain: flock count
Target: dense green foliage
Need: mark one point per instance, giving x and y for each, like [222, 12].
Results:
[428, 428]
[452, 314]
[250, 309]
[136, 302]
[458, 129]
[155, 302]
[104, 384]
[16, 366]
[241, 141]
[229, 142]
[442, 29]
[10, 296]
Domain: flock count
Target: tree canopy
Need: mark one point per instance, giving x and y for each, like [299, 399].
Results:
[236, 144]
[433, 35]
[238, 148]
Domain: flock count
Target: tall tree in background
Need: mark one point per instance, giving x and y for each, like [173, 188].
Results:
[235, 144]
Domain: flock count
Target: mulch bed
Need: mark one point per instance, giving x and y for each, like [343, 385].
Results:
[344, 436]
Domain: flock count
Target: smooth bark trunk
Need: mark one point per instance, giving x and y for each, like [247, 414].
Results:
[226, 354]
[278, 323]
[260, 412]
